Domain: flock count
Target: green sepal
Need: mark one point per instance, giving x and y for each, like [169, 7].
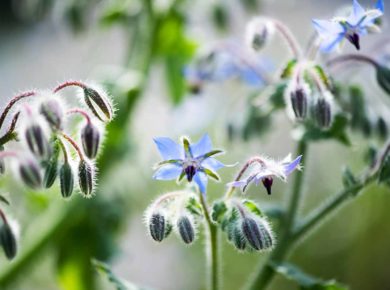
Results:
[194, 207]
[288, 69]
[349, 180]
[252, 207]
[218, 211]
[211, 173]
[324, 77]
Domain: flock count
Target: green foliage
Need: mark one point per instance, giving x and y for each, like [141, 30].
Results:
[324, 77]
[289, 69]
[218, 211]
[304, 280]
[173, 46]
[252, 207]
[383, 78]
[337, 131]
[349, 179]
[194, 207]
[220, 16]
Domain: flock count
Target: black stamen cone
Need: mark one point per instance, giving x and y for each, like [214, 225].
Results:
[267, 182]
[190, 171]
[354, 39]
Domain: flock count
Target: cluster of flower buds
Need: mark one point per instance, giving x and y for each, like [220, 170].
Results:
[246, 227]
[308, 94]
[40, 143]
[179, 211]
[8, 236]
[259, 31]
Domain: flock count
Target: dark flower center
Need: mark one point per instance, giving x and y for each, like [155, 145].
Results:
[354, 39]
[190, 171]
[267, 182]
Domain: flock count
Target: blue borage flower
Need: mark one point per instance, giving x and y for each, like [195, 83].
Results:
[224, 62]
[358, 23]
[195, 161]
[264, 169]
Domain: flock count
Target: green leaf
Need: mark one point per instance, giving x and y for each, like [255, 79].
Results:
[383, 78]
[324, 77]
[304, 280]
[218, 211]
[384, 174]
[252, 207]
[277, 98]
[337, 131]
[194, 206]
[288, 70]
[119, 283]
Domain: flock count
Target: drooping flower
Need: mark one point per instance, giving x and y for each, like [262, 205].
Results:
[193, 161]
[360, 22]
[264, 169]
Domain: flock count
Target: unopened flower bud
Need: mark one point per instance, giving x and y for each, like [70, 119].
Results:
[238, 238]
[157, 226]
[186, 229]
[383, 78]
[90, 138]
[66, 180]
[86, 177]
[323, 112]
[52, 111]
[99, 104]
[36, 141]
[298, 99]
[258, 32]
[51, 170]
[30, 173]
[257, 233]
[8, 241]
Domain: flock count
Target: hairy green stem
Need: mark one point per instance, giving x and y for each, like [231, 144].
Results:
[212, 248]
[266, 272]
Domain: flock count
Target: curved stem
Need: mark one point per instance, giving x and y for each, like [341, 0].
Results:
[81, 112]
[74, 145]
[64, 151]
[11, 103]
[266, 272]
[69, 84]
[289, 37]
[10, 134]
[212, 248]
[256, 159]
[353, 57]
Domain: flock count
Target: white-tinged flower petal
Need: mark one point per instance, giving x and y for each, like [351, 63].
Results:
[168, 172]
[200, 179]
[168, 148]
[202, 147]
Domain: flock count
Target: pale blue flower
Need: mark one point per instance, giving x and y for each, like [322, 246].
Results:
[195, 161]
[265, 169]
[358, 23]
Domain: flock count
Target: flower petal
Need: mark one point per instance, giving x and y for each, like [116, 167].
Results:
[369, 20]
[329, 44]
[326, 28]
[357, 14]
[212, 164]
[168, 172]
[200, 179]
[380, 6]
[288, 168]
[168, 148]
[203, 146]
[238, 183]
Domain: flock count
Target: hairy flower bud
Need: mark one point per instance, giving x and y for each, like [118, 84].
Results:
[186, 229]
[258, 32]
[52, 111]
[298, 99]
[36, 141]
[323, 111]
[257, 233]
[8, 241]
[99, 104]
[30, 173]
[90, 138]
[238, 238]
[66, 180]
[51, 170]
[86, 177]
[157, 226]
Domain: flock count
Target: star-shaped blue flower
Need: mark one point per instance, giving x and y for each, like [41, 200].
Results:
[358, 23]
[195, 161]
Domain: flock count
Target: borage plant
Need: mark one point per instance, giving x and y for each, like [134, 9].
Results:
[321, 108]
[40, 149]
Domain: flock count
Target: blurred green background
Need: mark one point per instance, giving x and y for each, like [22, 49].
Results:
[137, 49]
